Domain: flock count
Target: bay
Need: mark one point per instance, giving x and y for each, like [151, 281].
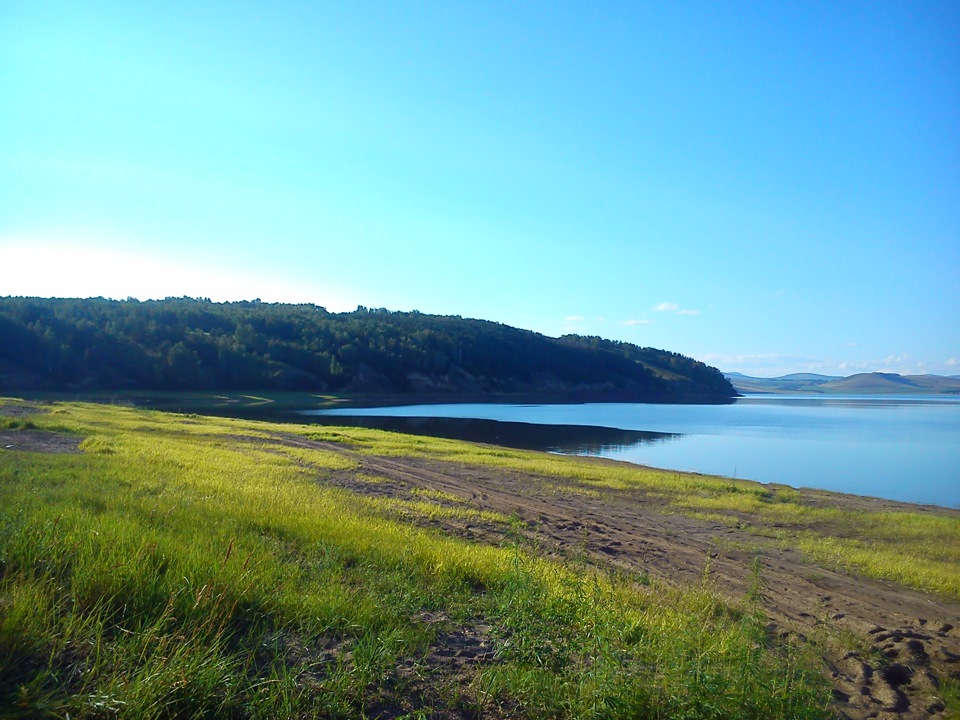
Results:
[900, 448]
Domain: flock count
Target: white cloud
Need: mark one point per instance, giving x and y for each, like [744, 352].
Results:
[631, 323]
[573, 318]
[953, 362]
[674, 308]
[75, 265]
[769, 364]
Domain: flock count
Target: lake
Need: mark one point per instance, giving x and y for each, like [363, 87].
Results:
[900, 448]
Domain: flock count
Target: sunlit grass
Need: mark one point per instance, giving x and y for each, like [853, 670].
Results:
[598, 475]
[187, 567]
[434, 511]
[324, 459]
[919, 549]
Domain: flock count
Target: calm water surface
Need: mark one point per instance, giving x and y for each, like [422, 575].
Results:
[901, 448]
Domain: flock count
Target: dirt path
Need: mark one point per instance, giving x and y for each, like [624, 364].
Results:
[894, 644]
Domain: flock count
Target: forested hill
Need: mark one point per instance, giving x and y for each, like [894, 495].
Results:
[187, 344]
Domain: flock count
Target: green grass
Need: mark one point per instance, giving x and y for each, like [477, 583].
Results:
[186, 567]
[917, 548]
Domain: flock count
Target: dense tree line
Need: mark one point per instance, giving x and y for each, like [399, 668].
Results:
[195, 344]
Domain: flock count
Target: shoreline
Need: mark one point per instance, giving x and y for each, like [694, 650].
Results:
[575, 439]
[808, 558]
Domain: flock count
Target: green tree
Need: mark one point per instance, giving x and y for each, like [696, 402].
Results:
[183, 367]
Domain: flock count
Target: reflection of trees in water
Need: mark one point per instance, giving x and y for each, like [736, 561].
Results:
[568, 439]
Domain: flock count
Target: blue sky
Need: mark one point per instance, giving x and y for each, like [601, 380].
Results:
[768, 187]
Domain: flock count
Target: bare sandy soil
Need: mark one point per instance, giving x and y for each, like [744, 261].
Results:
[904, 641]
[33, 440]
[38, 441]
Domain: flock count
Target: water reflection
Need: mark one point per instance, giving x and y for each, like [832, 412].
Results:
[566, 439]
[892, 447]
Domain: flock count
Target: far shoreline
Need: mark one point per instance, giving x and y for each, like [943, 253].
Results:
[289, 407]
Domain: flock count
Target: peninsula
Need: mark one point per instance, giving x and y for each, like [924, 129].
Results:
[186, 344]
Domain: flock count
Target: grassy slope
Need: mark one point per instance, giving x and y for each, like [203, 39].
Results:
[883, 383]
[184, 566]
[860, 384]
[919, 549]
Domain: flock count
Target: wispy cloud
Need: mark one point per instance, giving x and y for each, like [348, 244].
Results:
[573, 324]
[896, 359]
[850, 367]
[631, 323]
[674, 308]
[767, 364]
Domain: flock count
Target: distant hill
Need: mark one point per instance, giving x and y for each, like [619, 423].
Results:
[188, 344]
[860, 384]
[882, 383]
[794, 383]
